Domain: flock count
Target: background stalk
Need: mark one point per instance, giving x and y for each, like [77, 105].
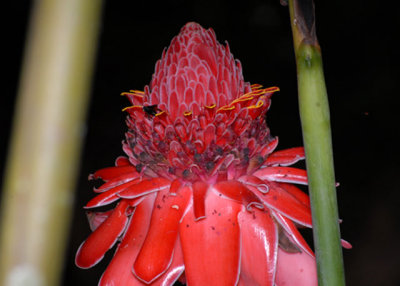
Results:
[46, 140]
[315, 121]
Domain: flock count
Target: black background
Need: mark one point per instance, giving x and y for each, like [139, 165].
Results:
[361, 65]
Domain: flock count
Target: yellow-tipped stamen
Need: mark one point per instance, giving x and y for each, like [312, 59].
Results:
[187, 113]
[132, 106]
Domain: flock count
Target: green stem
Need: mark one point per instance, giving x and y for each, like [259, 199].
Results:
[315, 120]
[46, 140]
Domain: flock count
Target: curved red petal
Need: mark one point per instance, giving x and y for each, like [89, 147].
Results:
[211, 246]
[292, 231]
[285, 157]
[296, 269]
[199, 195]
[116, 182]
[109, 196]
[296, 192]
[155, 256]
[259, 248]
[175, 270]
[238, 192]
[283, 174]
[284, 202]
[254, 183]
[110, 173]
[145, 187]
[119, 271]
[103, 238]
[122, 161]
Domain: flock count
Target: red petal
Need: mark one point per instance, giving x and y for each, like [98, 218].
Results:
[259, 248]
[119, 271]
[284, 202]
[124, 178]
[238, 192]
[110, 173]
[103, 238]
[211, 246]
[296, 269]
[156, 254]
[109, 196]
[282, 174]
[175, 270]
[285, 157]
[294, 234]
[254, 183]
[269, 148]
[145, 187]
[296, 192]
[199, 195]
[122, 161]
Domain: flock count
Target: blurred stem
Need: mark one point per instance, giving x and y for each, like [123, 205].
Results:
[315, 120]
[46, 140]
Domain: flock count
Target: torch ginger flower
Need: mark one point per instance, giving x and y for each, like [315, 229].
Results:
[201, 196]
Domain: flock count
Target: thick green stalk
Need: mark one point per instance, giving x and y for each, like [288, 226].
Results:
[315, 121]
[46, 140]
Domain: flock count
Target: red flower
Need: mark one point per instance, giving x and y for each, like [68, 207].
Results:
[202, 196]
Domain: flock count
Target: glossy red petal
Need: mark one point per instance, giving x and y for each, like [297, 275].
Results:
[259, 248]
[292, 231]
[175, 270]
[103, 238]
[254, 183]
[109, 196]
[110, 173]
[156, 254]
[238, 192]
[296, 269]
[199, 195]
[296, 192]
[284, 202]
[119, 271]
[211, 246]
[122, 161]
[145, 187]
[120, 180]
[283, 174]
[285, 157]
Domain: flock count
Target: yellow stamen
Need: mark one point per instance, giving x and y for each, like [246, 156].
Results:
[131, 107]
[187, 113]
[258, 105]
[160, 113]
[136, 91]
[226, 108]
[211, 106]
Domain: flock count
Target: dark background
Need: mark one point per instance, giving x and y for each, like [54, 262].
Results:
[357, 41]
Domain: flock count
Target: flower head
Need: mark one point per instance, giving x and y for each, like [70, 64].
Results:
[201, 196]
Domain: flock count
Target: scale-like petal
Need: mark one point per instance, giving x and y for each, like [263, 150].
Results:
[211, 246]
